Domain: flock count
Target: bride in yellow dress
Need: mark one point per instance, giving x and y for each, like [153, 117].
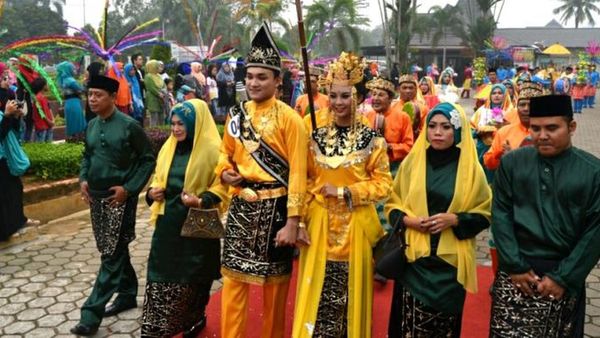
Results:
[348, 172]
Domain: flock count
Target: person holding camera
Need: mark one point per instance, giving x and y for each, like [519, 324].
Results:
[13, 164]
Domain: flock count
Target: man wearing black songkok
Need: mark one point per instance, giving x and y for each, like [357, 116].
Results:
[117, 162]
[546, 226]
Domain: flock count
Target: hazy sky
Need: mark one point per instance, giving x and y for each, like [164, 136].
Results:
[516, 13]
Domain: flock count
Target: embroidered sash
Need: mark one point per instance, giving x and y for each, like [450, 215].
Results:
[266, 157]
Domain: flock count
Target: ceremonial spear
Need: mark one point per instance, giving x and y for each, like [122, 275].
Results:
[311, 103]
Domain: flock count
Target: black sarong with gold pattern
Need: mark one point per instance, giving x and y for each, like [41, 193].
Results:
[112, 225]
[417, 320]
[332, 315]
[517, 315]
[249, 251]
[172, 308]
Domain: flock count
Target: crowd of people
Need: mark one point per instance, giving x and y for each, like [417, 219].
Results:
[383, 156]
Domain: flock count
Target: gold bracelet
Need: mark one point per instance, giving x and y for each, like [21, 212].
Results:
[340, 193]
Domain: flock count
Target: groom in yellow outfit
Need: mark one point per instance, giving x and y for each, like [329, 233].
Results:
[263, 160]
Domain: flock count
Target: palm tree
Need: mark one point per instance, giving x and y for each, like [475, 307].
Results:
[251, 13]
[480, 26]
[441, 22]
[579, 10]
[339, 17]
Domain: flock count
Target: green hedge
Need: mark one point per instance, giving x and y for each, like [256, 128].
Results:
[51, 161]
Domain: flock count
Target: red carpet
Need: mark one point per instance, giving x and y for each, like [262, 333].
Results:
[475, 319]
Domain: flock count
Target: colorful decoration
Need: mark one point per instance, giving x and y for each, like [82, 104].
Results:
[29, 90]
[582, 68]
[593, 49]
[33, 64]
[72, 41]
[479, 70]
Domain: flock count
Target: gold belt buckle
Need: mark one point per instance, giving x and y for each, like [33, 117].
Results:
[249, 195]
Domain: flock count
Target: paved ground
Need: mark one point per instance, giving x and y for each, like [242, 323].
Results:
[46, 278]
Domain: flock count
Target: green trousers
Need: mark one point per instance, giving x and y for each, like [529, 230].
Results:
[116, 275]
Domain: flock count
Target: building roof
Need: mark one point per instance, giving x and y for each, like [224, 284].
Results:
[568, 37]
[545, 36]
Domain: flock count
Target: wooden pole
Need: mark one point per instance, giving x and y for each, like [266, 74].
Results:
[311, 103]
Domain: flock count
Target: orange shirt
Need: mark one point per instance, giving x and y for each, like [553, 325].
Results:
[321, 101]
[397, 132]
[514, 134]
[512, 116]
[123, 94]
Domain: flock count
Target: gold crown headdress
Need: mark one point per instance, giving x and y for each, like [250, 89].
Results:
[529, 90]
[407, 78]
[381, 83]
[348, 69]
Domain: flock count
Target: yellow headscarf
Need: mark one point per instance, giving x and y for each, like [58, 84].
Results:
[152, 70]
[200, 171]
[471, 194]
[432, 88]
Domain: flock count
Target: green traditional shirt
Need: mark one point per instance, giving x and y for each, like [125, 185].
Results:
[430, 279]
[548, 208]
[117, 152]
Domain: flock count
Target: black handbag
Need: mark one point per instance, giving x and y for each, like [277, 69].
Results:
[389, 255]
[203, 223]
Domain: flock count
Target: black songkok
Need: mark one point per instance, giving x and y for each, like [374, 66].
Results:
[105, 83]
[550, 105]
[264, 52]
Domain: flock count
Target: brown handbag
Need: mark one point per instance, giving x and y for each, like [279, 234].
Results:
[203, 223]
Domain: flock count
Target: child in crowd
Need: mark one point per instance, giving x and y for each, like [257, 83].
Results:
[43, 121]
[578, 95]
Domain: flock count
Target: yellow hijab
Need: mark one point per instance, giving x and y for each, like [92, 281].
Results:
[152, 71]
[471, 194]
[432, 88]
[200, 171]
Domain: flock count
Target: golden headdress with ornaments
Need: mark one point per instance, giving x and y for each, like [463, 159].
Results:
[407, 78]
[347, 70]
[529, 90]
[383, 84]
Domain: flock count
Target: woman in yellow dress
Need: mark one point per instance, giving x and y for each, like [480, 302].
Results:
[488, 119]
[348, 172]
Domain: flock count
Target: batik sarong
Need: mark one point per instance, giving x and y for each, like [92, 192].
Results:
[516, 315]
[112, 225]
[416, 320]
[249, 251]
[332, 315]
[172, 308]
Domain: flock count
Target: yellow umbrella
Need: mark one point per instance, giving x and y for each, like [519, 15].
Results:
[557, 49]
[484, 92]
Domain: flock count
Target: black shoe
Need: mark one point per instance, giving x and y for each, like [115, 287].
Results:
[117, 307]
[196, 329]
[84, 330]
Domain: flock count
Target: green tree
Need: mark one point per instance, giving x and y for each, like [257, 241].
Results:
[578, 10]
[57, 4]
[21, 20]
[213, 18]
[441, 21]
[341, 18]
[400, 23]
[479, 26]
